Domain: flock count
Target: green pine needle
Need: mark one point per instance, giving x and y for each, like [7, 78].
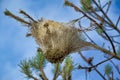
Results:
[86, 5]
[6, 12]
[68, 67]
[38, 61]
[99, 31]
[25, 68]
[108, 69]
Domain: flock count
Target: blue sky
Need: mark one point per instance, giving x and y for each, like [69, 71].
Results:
[14, 46]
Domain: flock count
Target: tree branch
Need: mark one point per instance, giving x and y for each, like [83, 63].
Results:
[34, 78]
[56, 71]
[92, 65]
[43, 74]
[28, 16]
[95, 46]
[80, 67]
[8, 13]
[111, 23]
[118, 21]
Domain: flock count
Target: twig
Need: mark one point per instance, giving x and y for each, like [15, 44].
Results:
[25, 14]
[34, 78]
[96, 64]
[79, 10]
[118, 21]
[56, 72]
[113, 47]
[8, 13]
[115, 36]
[115, 41]
[43, 74]
[111, 39]
[69, 78]
[97, 16]
[100, 26]
[118, 70]
[92, 65]
[86, 34]
[104, 5]
[99, 3]
[111, 23]
[109, 3]
[102, 62]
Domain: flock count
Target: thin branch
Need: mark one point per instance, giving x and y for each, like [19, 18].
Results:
[102, 11]
[118, 21]
[40, 75]
[102, 62]
[80, 67]
[102, 19]
[92, 65]
[79, 10]
[104, 5]
[69, 78]
[56, 72]
[109, 4]
[86, 34]
[113, 47]
[116, 67]
[100, 26]
[43, 74]
[99, 3]
[116, 42]
[115, 36]
[111, 23]
[34, 78]
[8, 13]
[28, 16]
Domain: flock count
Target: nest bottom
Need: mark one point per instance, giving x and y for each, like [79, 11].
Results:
[56, 56]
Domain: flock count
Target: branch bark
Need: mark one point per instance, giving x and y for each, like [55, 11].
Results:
[92, 65]
[56, 72]
[92, 45]
[43, 74]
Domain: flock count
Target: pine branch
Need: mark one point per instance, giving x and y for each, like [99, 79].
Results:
[110, 22]
[56, 71]
[28, 16]
[43, 74]
[96, 65]
[8, 13]
[92, 65]
[95, 46]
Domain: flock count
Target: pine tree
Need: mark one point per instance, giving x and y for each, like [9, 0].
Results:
[58, 40]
